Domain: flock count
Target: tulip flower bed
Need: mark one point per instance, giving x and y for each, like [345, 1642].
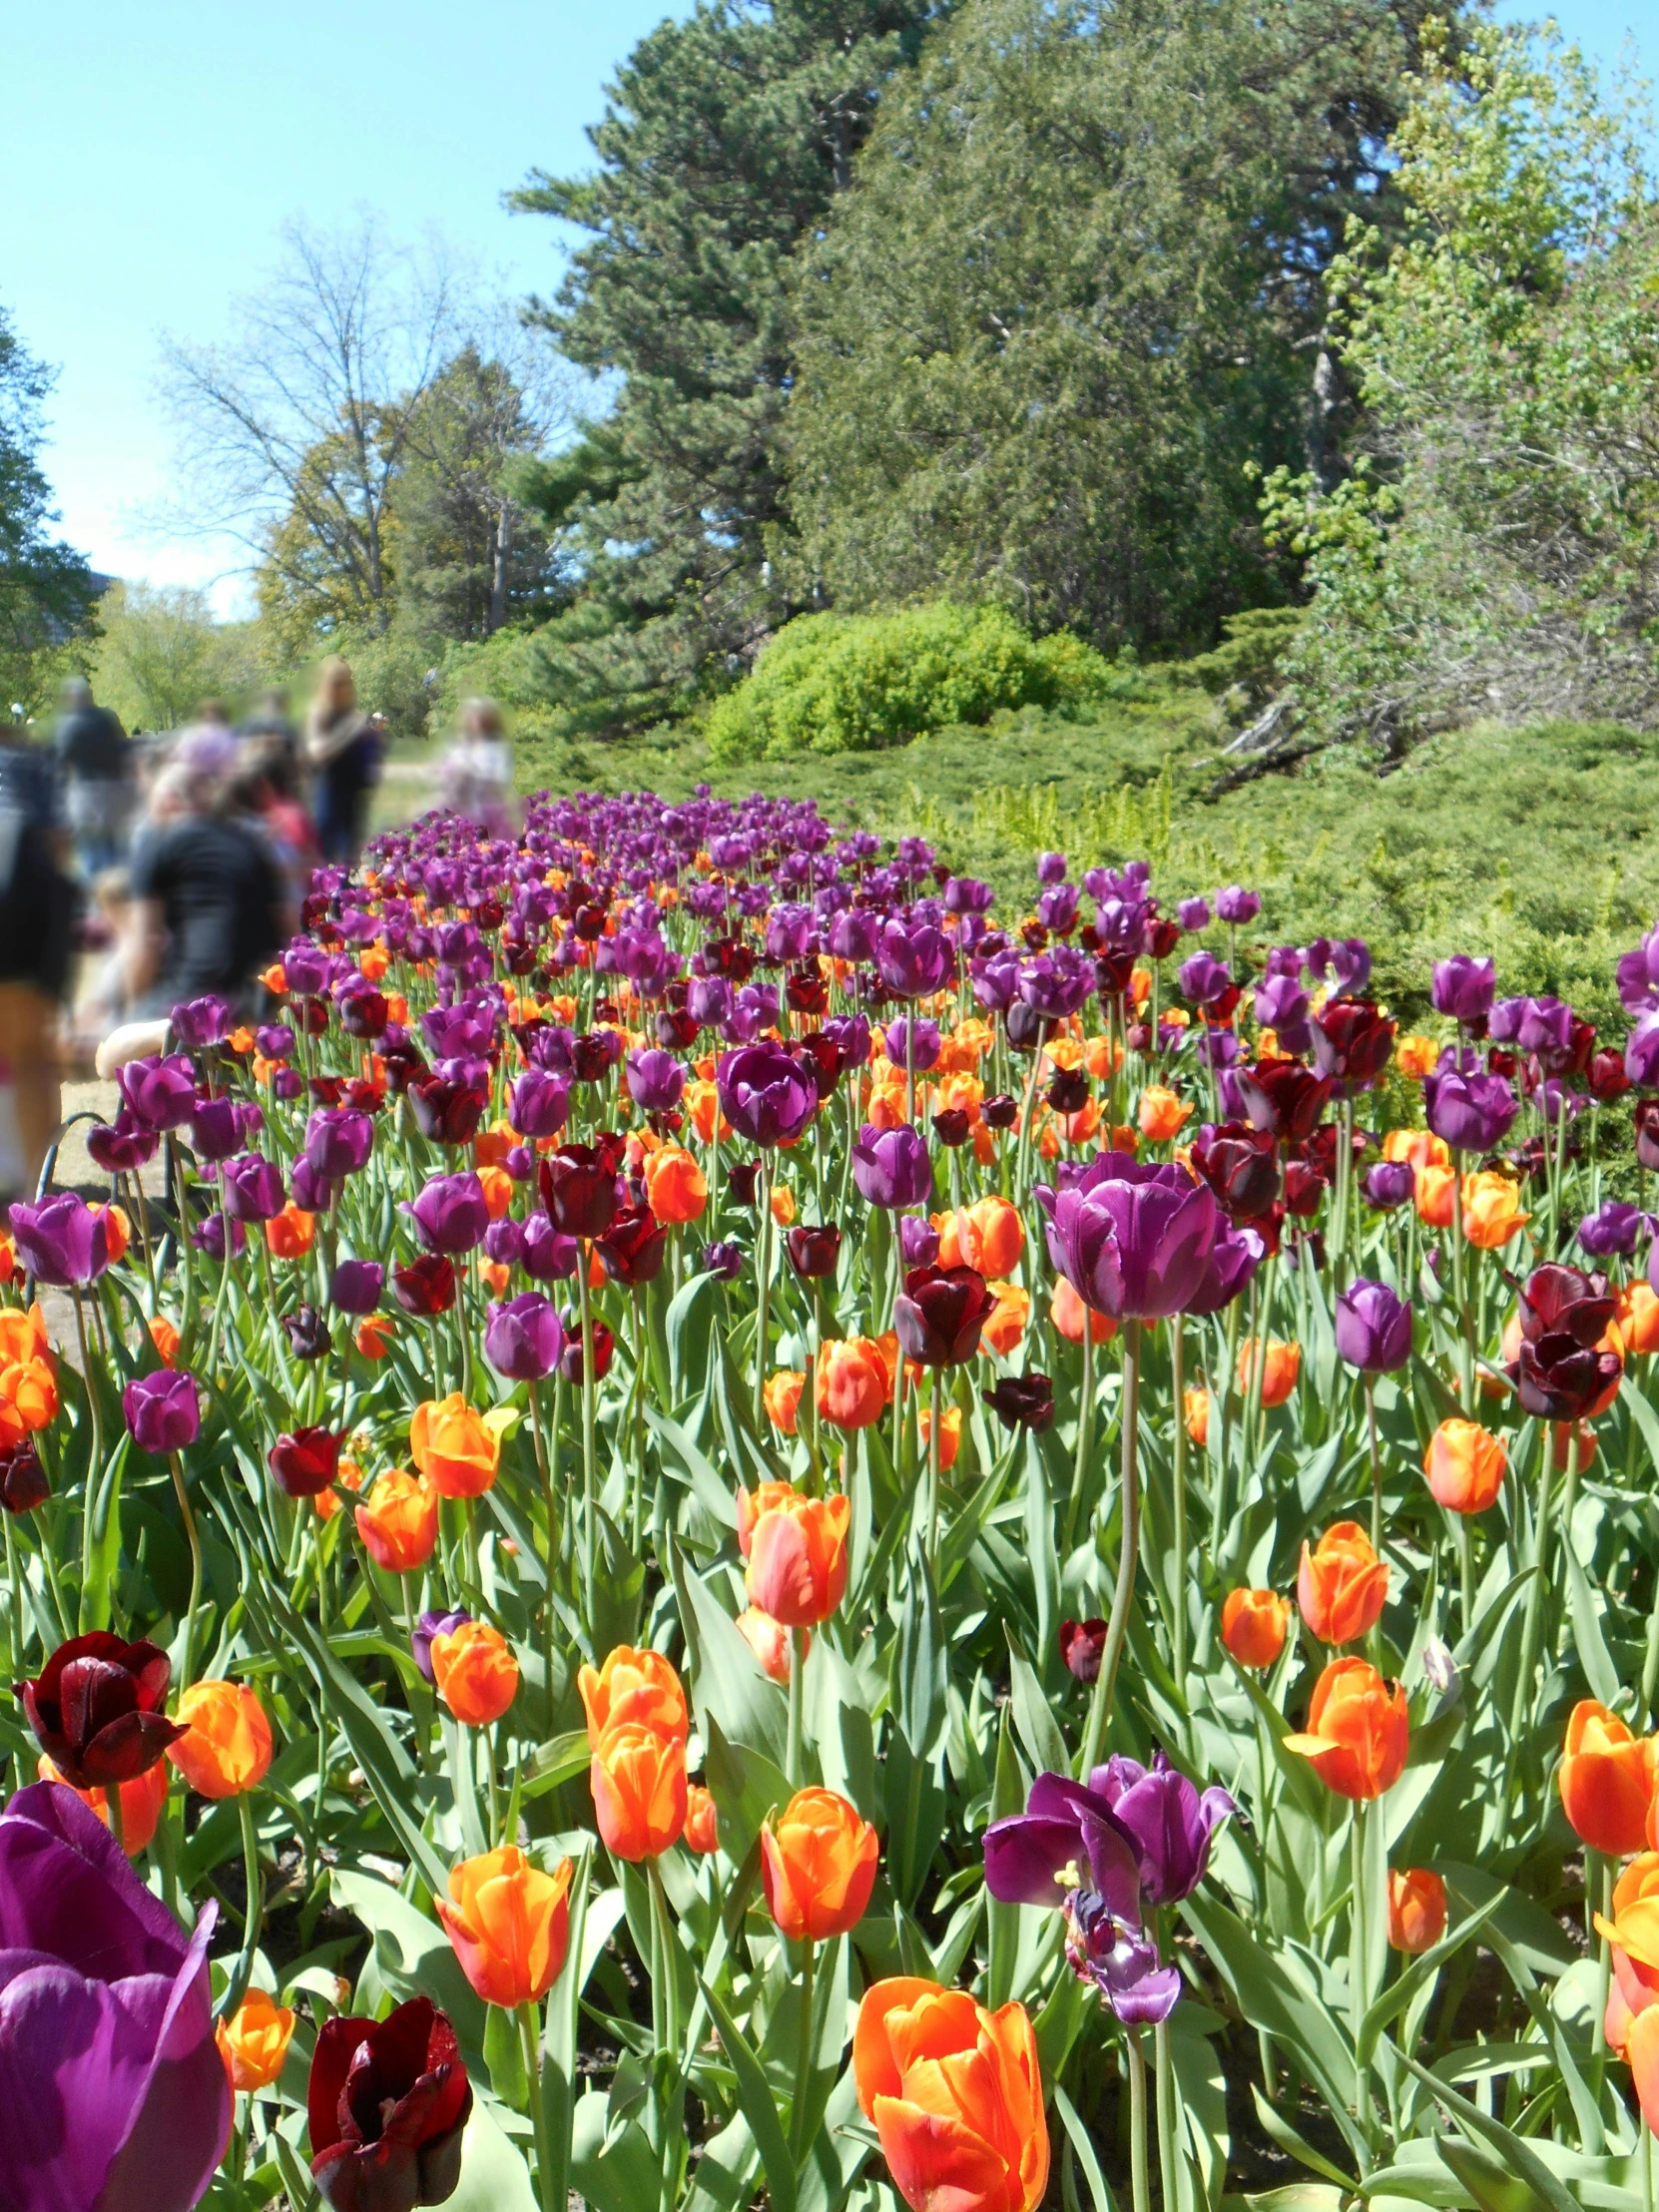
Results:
[741, 1533]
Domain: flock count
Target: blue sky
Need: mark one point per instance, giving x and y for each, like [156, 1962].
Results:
[154, 151]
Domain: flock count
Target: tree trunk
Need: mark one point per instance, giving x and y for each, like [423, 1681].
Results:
[1325, 418]
[498, 568]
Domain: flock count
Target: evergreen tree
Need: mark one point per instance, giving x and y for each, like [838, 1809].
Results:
[726, 139]
[46, 590]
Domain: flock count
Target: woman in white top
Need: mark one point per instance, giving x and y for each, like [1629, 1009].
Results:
[477, 771]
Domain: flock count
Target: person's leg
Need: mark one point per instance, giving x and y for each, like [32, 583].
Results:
[28, 1048]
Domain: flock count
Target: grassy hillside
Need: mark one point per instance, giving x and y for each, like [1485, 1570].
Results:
[1539, 843]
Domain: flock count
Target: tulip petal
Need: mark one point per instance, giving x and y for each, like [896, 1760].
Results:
[939, 2164]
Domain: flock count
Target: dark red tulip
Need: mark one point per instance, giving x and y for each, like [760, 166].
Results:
[1304, 1189]
[1113, 968]
[306, 1462]
[1284, 1099]
[1647, 1133]
[1352, 1041]
[1026, 1028]
[825, 1056]
[675, 1030]
[741, 1179]
[999, 1111]
[1068, 1091]
[1082, 1644]
[631, 1250]
[1022, 1401]
[308, 1333]
[444, 1111]
[1240, 1165]
[939, 1312]
[578, 1189]
[813, 1249]
[807, 989]
[952, 1127]
[426, 1286]
[363, 1013]
[1607, 1077]
[388, 2104]
[1556, 1299]
[404, 1063]
[96, 1709]
[1558, 1379]
[1160, 935]
[570, 1360]
[590, 1056]
[23, 1483]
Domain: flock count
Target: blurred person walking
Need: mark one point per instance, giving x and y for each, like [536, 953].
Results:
[95, 760]
[343, 746]
[477, 771]
[272, 725]
[37, 916]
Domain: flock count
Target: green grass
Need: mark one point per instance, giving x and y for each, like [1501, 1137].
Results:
[1539, 843]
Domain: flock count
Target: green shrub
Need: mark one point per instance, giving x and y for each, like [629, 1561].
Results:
[855, 683]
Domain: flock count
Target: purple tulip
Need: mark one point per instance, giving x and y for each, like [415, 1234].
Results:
[1123, 1965]
[655, 1080]
[1065, 1824]
[115, 2096]
[310, 1192]
[1193, 914]
[1470, 1112]
[541, 1104]
[1165, 1820]
[305, 969]
[62, 1242]
[897, 1044]
[524, 1339]
[1617, 1229]
[1642, 1053]
[451, 1213]
[1389, 1183]
[549, 1253]
[159, 1093]
[919, 1242]
[164, 1412]
[504, 1242]
[428, 1625]
[724, 1259]
[216, 1128]
[251, 1187]
[339, 1141]
[1372, 1327]
[355, 1286]
[1133, 1239]
[1051, 868]
[200, 1022]
[1281, 1006]
[1055, 984]
[914, 960]
[1464, 988]
[1204, 979]
[1234, 905]
[1347, 961]
[891, 1167]
[208, 1237]
[274, 1040]
[124, 1146]
[1236, 1254]
[766, 1094]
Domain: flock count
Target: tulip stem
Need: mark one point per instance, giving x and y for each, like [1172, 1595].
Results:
[194, 1539]
[549, 1622]
[590, 1481]
[763, 1272]
[1129, 1537]
[254, 1915]
[666, 1946]
[1598, 1871]
[529, 2035]
[118, 1819]
[1375, 1472]
[805, 2054]
[1140, 2190]
[1178, 1623]
[933, 1450]
[797, 1670]
[1167, 2153]
[1358, 1993]
[1540, 1564]
[1085, 1425]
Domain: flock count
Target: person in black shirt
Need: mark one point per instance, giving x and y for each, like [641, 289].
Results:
[208, 910]
[37, 909]
[95, 760]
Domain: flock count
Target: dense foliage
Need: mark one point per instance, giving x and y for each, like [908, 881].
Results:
[45, 588]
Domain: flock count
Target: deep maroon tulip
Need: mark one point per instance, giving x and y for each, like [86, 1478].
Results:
[1605, 1077]
[306, 1462]
[62, 1242]
[338, 1142]
[97, 1709]
[164, 1412]
[813, 1249]
[127, 1145]
[251, 1187]
[631, 1250]
[952, 1127]
[23, 1483]
[1372, 1327]
[115, 2096]
[939, 1314]
[1022, 1401]
[160, 1094]
[388, 2104]
[1082, 1647]
[570, 1360]
[308, 1333]
[1305, 1187]
[1068, 1091]
[1560, 1299]
[426, 1286]
[742, 1180]
[1283, 1098]
[540, 1104]
[767, 1094]
[355, 1286]
[999, 1111]
[1558, 1379]
[579, 1189]
[523, 1339]
[451, 1213]
[1133, 1239]
[446, 1111]
[724, 1259]
[1241, 1166]
[363, 1013]
[1352, 1041]
[1468, 1111]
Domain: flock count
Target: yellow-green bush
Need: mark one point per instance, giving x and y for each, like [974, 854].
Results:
[853, 682]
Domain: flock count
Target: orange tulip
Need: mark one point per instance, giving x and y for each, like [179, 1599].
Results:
[1357, 1730]
[28, 1399]
[1253, 1624]
[476, 1673]
[851, 1389]
[1416, 1057]
[1633, 1933]
[510, 1923]
[456, 1449]
[372, 1337]
[23, 1337]
[225, 1748]
[118, 1230]
[1006, 1322]
[1162, 1113]
[1416, 1910]
[141, 1802]
[702, 1827]
[165, 1337]
[1343, 1587]
[780, 1396]
[817, 1867]
[769, 1640]
[1195, 1405]
[1561, 1438]
[1639, 1318]
[753, 1503]
[638, 1791]
[1492, 1210]
[782, 1205]
[1641, 2048]
[701, 1105]
[1418, 1147]
[640, 1686]
[254, 2042]
[1070, 1316]
[290, 1234]
[797, 1559]
[1606, 1779]
[1466, 1465]
[951, 1434]
[956, 2094]
[498, 1187]
[1433, 1195]
[675, 1184]
[398, 1523]
[990, 1236]
[1280, 1366]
